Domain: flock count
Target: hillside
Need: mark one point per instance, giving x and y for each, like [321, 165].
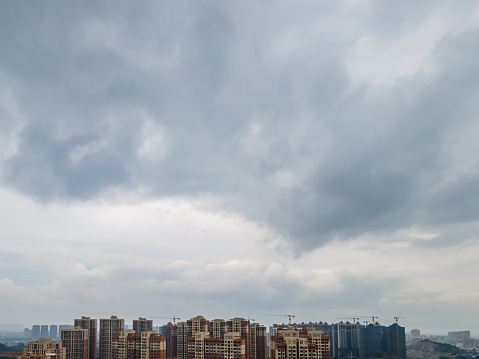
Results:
[427, 349]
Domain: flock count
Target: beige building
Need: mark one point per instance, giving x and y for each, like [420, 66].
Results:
[47, 347]
[109, 328]
[292, 343]
[75, 342]
[204, 346]
[91, 326]
[146, 345]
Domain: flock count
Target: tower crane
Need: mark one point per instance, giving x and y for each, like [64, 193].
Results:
[174, 318]
[289, 316]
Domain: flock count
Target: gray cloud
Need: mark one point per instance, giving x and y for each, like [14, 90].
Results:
[258, 110]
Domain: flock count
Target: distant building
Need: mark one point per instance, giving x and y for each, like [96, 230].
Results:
[91, 326]
[47, 346]
[35, 332]
[146, 345]
[415, 336]
[54, 332]
[415, 333]
[457, 338]
[470, 343]
[44, 333]
[28, 334]
[293, 343]
[142, 325]
[75, 342]
[109, 328]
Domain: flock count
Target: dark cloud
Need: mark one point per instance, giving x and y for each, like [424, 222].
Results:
[258, 112]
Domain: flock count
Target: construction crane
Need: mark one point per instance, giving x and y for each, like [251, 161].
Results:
[174, 318]
[289, 316]
[397, 318]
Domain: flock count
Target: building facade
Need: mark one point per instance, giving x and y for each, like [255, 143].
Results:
[170, 332]
[35, 332]
[293, 343]
[47, 346]
[109, 328]
[91, 326]
[253, 335]
[376, 339]
[146, 345]
[54, 332]
[204, 346]
[142, 325]
[75, 342]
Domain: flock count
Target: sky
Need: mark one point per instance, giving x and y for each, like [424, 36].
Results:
[240, 159]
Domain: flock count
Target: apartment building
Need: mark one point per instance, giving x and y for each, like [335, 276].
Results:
[170, 333]
[293, 343]
[205, 346]
[146, 345]
[46, 347]
[253, 336]
[109, 328]
[91, 325]
[75, 342]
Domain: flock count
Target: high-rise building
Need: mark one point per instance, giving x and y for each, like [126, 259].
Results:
[293, 343]
[54, 332]
[186, 330]
[35, 332]
[44, 334]
[258, 341]
[47, 346]
[146, 345]
[91, 326]
[376, 339]
[345, 339]
[109, 328]
[169, 332]
[75, 342]
[141, 325]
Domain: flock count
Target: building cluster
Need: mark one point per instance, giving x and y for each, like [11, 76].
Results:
[360, 341]
[199, 338]
[461, 339]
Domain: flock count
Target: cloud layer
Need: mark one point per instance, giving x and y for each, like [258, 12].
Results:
[257, 135]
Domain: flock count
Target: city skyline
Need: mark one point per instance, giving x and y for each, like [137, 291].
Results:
[244, 158]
